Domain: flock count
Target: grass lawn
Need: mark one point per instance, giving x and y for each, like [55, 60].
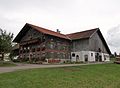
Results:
[90, 76]
[6, 64]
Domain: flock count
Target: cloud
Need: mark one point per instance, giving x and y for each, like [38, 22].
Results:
[114, 38]
[67, 15]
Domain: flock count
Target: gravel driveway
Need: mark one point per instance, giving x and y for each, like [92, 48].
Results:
[21, 66]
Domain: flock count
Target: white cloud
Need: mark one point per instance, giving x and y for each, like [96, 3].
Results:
[114, 38]
[67, 15]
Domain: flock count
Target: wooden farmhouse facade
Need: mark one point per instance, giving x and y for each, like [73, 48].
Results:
[40, 44]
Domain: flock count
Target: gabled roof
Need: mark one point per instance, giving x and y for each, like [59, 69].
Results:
[88, 34]
[39, 29]
[82, 35]
[72, 36]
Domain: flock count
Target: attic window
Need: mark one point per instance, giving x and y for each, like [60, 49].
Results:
[73, 55]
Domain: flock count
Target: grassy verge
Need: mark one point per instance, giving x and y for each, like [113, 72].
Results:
[6, 64]
[91, 76]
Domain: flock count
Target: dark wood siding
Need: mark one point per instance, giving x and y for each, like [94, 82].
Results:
[31, 34]
[96, 44]
[42, 46]
[57, 48]
[80, 45]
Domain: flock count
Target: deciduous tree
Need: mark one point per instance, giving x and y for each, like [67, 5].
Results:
[5, 42]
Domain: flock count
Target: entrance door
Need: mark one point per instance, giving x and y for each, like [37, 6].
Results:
[98, 57]
[86, 58]
[77, 58]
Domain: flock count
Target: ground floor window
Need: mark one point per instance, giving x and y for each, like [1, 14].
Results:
[91, 54]
[73, 54]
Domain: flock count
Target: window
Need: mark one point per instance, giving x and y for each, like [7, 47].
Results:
[27, 51]
[52, 54]
[63, 56]
[73, 55]
[104, 58]
[91, 54]
[21, 48]
[51, 46]
[38, 55]
[33, 50]
[43, 48]
[24, 48]
[28, 48]
[43, 38]
[51, 39]
[21, 51]
[34, 33]
[38, 49]
[33, 55]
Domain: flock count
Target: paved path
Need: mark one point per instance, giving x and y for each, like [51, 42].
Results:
[30, 66]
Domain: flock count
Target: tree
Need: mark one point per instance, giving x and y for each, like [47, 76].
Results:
[115, 54]
[5, 42]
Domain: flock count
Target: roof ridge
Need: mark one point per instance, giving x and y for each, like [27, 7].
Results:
[45, 28]
[65, 36]
[83, 31]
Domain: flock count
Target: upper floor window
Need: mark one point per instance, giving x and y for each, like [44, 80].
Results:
[24, 48]
[34, 33]
[21, 48]
[38, 49]
[51, 39]
[43, 48]
[51, 45]
[33, 50]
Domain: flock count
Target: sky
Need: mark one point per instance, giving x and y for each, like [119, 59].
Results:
[68, 16]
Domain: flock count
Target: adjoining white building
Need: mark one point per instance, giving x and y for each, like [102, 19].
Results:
[89, 46]
[89, 56]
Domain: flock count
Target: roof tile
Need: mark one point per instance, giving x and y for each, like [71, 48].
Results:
[81, 35]
[49, 32]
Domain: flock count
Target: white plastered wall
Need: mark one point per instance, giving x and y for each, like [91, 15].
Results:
[91, 58]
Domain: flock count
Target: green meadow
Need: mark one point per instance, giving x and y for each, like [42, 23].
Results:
[89, 76]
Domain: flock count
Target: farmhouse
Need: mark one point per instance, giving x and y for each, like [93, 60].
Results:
[40, 44]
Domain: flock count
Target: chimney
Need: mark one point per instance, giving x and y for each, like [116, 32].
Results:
[58, 31]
